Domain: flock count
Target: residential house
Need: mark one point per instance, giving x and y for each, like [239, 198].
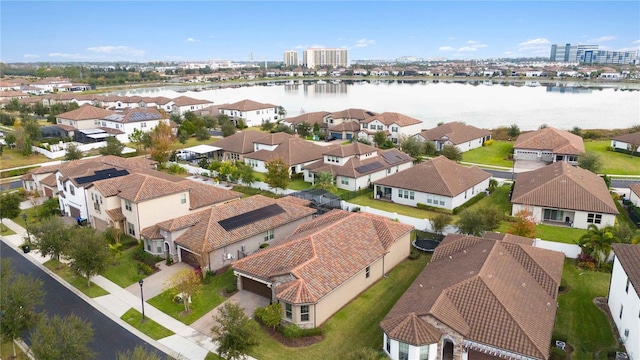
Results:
[252, 112]
[437, 182]
[324, 264]
[561, 194]
[9, 95]
[394, 125]
[624, 296]
[478, 298]
[634, 195]
[312, 118]
[347, 115]
[236, 146]
[182, 104]
[548, 145]
[213, 238]
[295, 152]
[346, 130]
[85, 117]
[130, 120]
[462, 136]
[357, 165]
[629, 142]
[140, 200]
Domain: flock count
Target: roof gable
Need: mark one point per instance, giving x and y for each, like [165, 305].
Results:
[85, 112]
[558, 141]
[456, 132]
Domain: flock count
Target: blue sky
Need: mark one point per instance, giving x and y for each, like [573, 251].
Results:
[52, 31]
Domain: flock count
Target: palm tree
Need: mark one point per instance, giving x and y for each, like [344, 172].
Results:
[324, 180]
[597, 242]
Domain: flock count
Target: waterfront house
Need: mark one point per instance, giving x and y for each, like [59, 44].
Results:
[394, 125]
[548, 145]
[624, 296]
[252, 112]
[462, 136]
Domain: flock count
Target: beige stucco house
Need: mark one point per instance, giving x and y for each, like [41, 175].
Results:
[324, 264]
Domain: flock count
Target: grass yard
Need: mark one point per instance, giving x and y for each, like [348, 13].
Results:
[356, 325]
[561, 234]
[4, 230]
[12, 158]
[495, 154]
[75, 280]
[126, 271]
[499, 199]
[584, 326]
[366, 200]
[192, 141]
[149, 327]
[6, 350]
[299, 184]
[202, 303]
[614, 162]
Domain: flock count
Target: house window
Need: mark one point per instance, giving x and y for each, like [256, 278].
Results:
[429, 198]
[388, 345]
[72, 189]
[626, 288]
[344, 181]
[304, 313]
[367, 272]
[183, 199]
[412, 195]
[269, 235]
[288, 313]
[424, 352]
[379, 127]
[127, 205]
[394, 129]
[403, 352]
[364, 126]
[594, 218]
[143, 125]
[132, 229]
[388, 171]
[621, 308]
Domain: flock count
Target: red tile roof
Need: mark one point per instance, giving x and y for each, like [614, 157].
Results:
[562, 186]
[85, 112]
[292, 151]
[390, 118]
[247, 105]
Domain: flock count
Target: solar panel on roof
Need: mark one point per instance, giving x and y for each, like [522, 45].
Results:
[393, 158]
[369, 167]
[101, 175]
[252, 216]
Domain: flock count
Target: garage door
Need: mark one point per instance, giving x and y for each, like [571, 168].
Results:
[74, 212]
[48, 192]
[256, 287]
[336, 135]
[189, 258]
[526, 155]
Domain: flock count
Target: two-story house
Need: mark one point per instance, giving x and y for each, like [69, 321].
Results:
[252, 112]
[183, 104]
[357, 165]
[624, 296]
[394, 125]
[295, 152]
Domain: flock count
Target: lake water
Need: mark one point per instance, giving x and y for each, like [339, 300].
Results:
[481, 104]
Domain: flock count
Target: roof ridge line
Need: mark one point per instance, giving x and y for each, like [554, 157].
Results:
[534, 260]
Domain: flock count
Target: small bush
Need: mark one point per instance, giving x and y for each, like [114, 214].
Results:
[292, 331]
[422, 206]
[145, 269]
[471, 201]
[231, 288]
[318, 331]
[557, 354]
[488, 142]
[587, 265]
[355, 209]
[264, 245]
[414, 254]
[257, 313]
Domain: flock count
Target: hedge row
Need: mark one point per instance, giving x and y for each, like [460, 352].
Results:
[16, 172]
[471, 202]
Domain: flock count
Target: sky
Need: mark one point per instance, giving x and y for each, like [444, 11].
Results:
[64, 31]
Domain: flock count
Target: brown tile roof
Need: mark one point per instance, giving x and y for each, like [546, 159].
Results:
[316, 117]
[186, 101]
[490, 292]
[353, 167]
[247, 105]
[50, 181]
[635, 188]
[411, 330]
[274, 138]
[317, 258]
[66, 127]
[389, 118]
[629, 257]
[292, 151]
[85, 112]
[240, 142]
[456, 132]
[437, 176]
[358, 114]
[355, 148]
[562, 186]
[116, 214]
[558, 141]
[633, 138]
[510, 238]
[346, 126]
[206, 234]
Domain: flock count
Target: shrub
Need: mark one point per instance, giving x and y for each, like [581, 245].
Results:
[355, 209]
[557, 354]
[231, 288]
[414, 254]
[145, 269]
[264, 245]
[488, 142]
[292, 331]
[318, 331]
[422, 206]
[471, 201]
[176, 169]
[587, 265]
[258, 313]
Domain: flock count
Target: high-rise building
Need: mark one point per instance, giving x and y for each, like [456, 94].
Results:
[312, 58]
[290, 58]
[591, 55]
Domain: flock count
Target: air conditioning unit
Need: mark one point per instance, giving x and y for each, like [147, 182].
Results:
[229, 256]
[621, 355]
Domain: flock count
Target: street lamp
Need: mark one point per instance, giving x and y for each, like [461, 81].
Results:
[26, 227]
[140, 282]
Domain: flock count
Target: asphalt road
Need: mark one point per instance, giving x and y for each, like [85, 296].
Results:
[109, 337]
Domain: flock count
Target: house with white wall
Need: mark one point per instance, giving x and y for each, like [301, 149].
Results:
[437, 182]
[355, 166]
[548, 145]
[129, 120]
[564, 195]
[629, 142]
[182, 104]
[252, 112]
[85, 117]
[624, 296]
[634, 195]
[394, 125]
[462, 136]
[295, 152]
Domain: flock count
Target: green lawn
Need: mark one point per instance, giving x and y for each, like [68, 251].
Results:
[578, 320]
[6, 350]
[149, 327]
[495, 154]
[4, 230]
[614, 162]
[356, 325]
[125, 272]
[499, 199]
[561, 234]
[299, 184]
[366, 200]
[75, 280]
[205, 301]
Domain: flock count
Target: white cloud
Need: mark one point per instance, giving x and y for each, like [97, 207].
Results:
[467, 49]
[117, 50]
[508, 53]
[636, 42]
[365, 42]
[472, 45]
[534, 42]
[68, 56]
[445, 48]
[190, 40]
[31, 56]
[602, 39]
[451, 38]
[534, 47]
[471, 42]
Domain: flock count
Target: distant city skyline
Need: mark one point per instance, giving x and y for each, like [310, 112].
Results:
[66, 31]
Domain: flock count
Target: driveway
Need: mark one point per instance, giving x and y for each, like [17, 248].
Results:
[156, 283]
[527, 165]
[247, 300]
